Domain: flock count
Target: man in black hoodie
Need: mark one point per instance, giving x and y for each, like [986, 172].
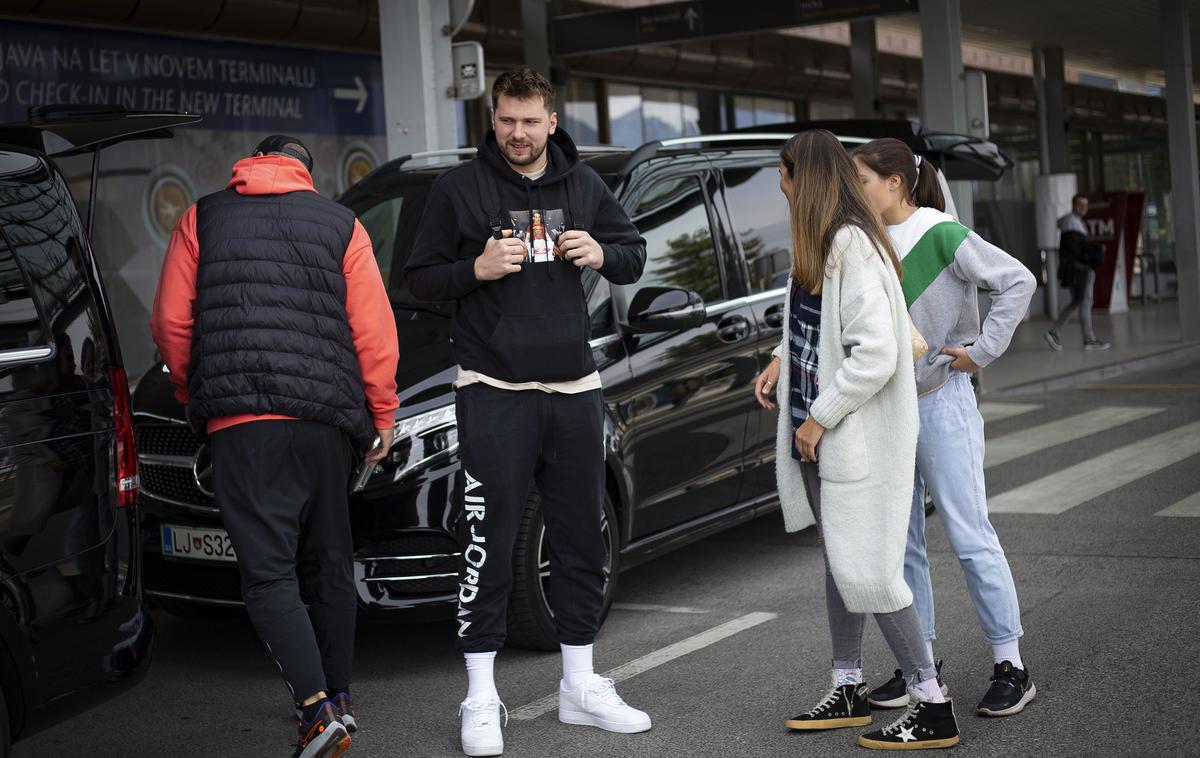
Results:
[507, 236]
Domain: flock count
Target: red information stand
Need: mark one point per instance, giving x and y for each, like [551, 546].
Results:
[1114, 220]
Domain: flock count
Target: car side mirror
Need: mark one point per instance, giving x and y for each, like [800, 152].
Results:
[666, 309]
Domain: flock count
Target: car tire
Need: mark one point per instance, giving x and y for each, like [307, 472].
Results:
[530, 619]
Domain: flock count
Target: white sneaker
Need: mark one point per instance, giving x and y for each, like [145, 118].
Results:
[597, 703]
[481, 733]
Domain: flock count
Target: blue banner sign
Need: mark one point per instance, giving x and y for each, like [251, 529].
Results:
[234, 85]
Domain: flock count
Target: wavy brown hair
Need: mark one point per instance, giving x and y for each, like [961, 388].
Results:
[826, 195]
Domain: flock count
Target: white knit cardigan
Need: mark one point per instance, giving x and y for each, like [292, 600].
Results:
[867, 402]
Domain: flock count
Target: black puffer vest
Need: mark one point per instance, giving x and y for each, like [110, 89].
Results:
[271, 333]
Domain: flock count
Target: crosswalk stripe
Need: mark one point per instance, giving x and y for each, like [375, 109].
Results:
[1084, 481]
[1189, 507]
[1035, 438]
[996, 411]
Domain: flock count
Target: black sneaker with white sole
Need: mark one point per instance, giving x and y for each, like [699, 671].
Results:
[1011, 691]
[841, 707]
[923, 726]
[894, 692]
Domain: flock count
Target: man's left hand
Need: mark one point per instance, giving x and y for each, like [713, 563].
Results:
[962, 362]
[578, 247]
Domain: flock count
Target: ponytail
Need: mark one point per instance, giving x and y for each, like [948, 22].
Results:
[919, 176]
[928, 192]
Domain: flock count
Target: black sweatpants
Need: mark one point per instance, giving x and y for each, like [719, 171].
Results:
[509, 441]
[282, 487]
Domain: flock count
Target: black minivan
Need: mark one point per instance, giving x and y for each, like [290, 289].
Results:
[74, 630]
[688, 451]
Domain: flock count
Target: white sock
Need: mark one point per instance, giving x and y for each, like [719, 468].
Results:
[1008, 651]
[929, 648]
[481, 683]
[931, 691]
[846, 676]
[577, 665]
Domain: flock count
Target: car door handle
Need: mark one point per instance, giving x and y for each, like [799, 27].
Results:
[733, 329]
[773, 317]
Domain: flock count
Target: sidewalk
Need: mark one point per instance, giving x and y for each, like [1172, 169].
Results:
[1146, 336]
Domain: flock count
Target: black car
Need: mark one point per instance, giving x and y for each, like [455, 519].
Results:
[74, 630]
[689, 453]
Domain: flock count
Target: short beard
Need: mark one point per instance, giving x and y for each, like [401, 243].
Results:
[533, 157]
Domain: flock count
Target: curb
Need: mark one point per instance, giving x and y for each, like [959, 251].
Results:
[1172, 357]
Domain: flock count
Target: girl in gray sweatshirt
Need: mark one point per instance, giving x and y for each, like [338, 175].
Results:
[945, 264]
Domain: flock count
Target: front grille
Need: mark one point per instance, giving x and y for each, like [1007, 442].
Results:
[432, 586]
[173, 483]
[394, 567]
[413, 544]
[166, 439]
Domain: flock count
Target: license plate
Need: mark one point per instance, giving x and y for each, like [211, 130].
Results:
[197, 544]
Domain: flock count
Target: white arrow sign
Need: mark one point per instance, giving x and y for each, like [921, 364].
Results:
[359, 93]
[691, 16]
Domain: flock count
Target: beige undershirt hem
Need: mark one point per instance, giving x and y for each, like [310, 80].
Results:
[573, 387]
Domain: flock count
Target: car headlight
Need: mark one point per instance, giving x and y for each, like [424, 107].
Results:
[424, 440]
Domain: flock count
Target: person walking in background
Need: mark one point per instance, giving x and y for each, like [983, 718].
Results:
[1078, 259]
[847, 436]
[275, 325]
[945, 264]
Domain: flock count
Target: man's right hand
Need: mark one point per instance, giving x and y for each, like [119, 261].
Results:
[500, 258]
[387, 436]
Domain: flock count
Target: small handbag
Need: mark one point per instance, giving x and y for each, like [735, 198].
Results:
[919, 345]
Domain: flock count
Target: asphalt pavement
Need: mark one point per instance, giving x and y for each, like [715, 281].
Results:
[1095, 490]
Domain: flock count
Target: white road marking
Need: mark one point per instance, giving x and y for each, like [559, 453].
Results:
[653, 660]
[1189, 507]
[656, 608]
[1035, 438]
[993, 411]
[1082, 482]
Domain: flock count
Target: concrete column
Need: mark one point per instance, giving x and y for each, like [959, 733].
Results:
[710, 103]
[1059, 152]
[864, 68]
[943, 99]
[535, 36]
[1181, 147]
[417, 76]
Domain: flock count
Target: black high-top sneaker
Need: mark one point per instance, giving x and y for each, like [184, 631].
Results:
[894, 692]
[924, 725]
[841, 707]
[1011, 691]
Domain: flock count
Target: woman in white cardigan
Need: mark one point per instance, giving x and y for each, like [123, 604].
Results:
[846, 444]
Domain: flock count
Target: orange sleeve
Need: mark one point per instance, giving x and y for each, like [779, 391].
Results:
[373, 327]
[171, 318]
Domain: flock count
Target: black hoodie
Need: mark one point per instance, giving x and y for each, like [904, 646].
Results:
[531, 325]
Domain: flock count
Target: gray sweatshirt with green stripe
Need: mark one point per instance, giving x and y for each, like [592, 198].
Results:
[944, 264]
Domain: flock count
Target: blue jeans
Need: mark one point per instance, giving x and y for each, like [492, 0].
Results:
[950, 463]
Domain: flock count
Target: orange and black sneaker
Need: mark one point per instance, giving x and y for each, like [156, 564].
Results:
[322, 737]
[343, 706]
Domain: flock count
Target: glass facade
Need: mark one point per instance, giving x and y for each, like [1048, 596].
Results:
[638, 114]
[760, 111]
[582, 116]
